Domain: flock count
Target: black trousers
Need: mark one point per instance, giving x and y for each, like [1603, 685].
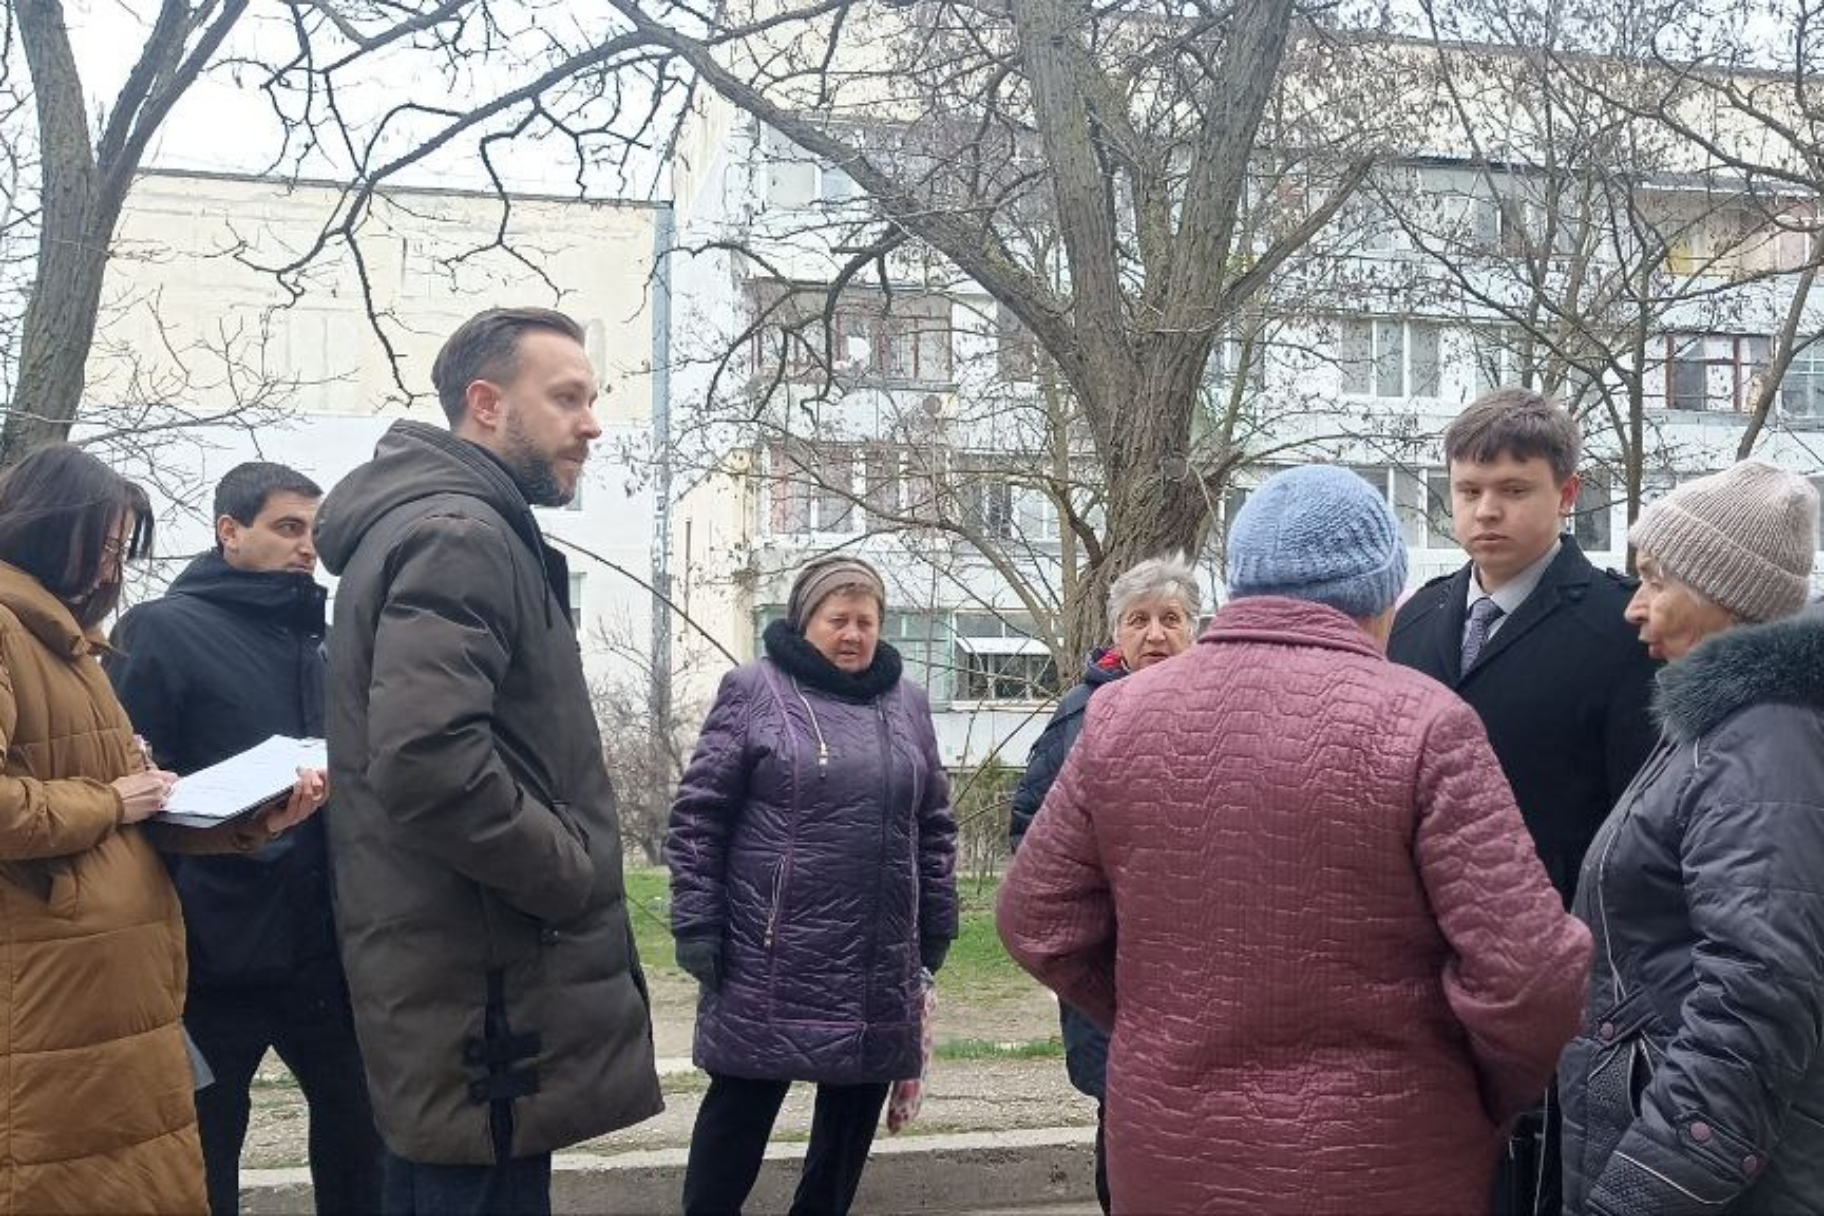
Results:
[311, 1027]
[1102, 1196]
[519, 1187]
[734, 1124]
[1528, 1175]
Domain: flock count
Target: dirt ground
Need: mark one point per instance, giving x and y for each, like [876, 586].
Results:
[963, 1095]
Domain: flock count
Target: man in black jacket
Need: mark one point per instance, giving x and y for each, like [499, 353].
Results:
[479, 895]
[1532, 636]
[231, 655]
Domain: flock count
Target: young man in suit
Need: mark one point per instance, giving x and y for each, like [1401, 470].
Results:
[1532, 636]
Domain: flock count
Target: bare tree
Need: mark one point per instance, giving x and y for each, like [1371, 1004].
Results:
[646, 758]
[1130, 133]
[84, 172]
[1602, 246]
[1734, 82]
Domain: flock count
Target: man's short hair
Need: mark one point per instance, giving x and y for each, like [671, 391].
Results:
[1515, 422]
[486, 347]
[245, 489]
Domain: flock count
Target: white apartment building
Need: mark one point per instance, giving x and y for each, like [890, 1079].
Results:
[190, 279]
[1369, 378]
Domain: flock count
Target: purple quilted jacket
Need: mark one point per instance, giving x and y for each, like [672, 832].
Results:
[814, 834]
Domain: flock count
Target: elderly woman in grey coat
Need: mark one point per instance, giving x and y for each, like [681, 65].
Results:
[1152, 615]
[1697, 1084]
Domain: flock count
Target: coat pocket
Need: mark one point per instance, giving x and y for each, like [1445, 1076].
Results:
[30, 876]
[1611, 1064]
[567, 816]
[775, 905]
[512, 936]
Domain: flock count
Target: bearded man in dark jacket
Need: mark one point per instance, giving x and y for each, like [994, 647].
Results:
[231, 655]
[477, 852]
[1152, 615]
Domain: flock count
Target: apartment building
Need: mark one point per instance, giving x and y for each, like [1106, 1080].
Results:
[851, 420]
[195, 319]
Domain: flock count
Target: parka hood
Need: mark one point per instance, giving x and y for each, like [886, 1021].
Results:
[1781, 662]
[278, 593]
[412, 461]
[1103, 666]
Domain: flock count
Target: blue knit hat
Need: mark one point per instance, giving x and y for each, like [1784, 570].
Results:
[1318, 533]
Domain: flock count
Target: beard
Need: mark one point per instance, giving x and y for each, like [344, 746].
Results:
[532, 472]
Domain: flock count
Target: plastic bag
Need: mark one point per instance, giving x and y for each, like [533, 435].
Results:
[907, 1096]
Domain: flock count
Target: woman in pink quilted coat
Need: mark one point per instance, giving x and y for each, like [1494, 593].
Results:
[1340, 967]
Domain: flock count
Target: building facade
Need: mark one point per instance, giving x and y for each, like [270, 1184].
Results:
[199, 326]
[905, 418]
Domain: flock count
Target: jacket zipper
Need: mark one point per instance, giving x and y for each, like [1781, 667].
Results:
[772, 916]
[823, 749]
[880, 851]
[1656, 764]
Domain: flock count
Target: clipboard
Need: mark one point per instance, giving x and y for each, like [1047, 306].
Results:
[242, 784]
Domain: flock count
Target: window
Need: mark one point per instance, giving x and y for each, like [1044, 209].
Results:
[1593, 522]
[1388, 358]
[1710, 372]
[1368, 223]
[1404, 492]
[791, 176]
[997, 659]
[880, 485]
[1233, 357]
[1036, 515]
[833, 489]
[988, 505]
[1496, 357]
[907, 340]
[1017, 350]
[1439, 533]
[576, 602]
[811, 489]
[1802, 388]
[835, 186]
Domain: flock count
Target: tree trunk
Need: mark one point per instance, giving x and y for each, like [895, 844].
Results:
[1147, 516]
[73, 242]
[59, 329]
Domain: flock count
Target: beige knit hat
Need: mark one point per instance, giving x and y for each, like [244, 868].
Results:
[824, 575]
[1743, 538]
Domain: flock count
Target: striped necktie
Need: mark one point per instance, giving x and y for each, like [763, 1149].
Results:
[1482, 616]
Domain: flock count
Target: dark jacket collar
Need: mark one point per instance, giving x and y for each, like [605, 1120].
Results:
[1097, 670]
[296, 599]
[415, 461]
[1566, 580]
[802, 661]
[1781, 662]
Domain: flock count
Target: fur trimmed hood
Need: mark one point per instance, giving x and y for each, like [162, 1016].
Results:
[1780, 662]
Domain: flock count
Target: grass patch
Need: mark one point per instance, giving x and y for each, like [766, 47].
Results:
[982, 1049]
[977, 964]
[649, 910]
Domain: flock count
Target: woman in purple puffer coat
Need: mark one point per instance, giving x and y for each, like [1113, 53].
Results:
[812, 855]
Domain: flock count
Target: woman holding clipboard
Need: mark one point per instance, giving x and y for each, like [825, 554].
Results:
[99, 1113]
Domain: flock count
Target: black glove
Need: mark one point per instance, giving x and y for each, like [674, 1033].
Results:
[702, 958]
[931, 952]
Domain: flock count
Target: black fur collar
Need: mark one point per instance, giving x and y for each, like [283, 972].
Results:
[787, 647]
[1781, 662]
